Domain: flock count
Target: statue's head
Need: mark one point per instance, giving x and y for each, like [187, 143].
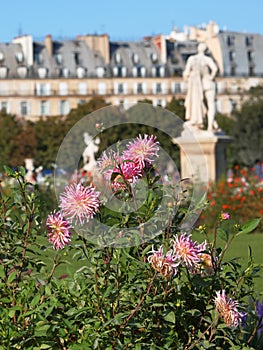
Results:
[202, 48]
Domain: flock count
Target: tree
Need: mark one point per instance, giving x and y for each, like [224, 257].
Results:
[49, 135]
[9, 129]
[248, 130]
[84, 109]
[177, 107]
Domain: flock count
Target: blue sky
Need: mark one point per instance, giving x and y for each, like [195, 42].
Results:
[124, 19]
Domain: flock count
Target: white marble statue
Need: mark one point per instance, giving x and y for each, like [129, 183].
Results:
[200, 72]
[29, 166]
[89, 161]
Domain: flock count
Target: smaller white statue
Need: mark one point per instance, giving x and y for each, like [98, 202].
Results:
[29, 165]
[89, 161]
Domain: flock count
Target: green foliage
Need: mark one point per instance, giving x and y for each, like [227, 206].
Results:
[115, 300]
[9, 129]
[248, 131]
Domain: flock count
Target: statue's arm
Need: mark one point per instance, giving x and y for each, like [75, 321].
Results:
[187, 69]
[213, 68]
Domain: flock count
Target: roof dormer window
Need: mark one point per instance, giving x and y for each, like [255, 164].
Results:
[135, 58]
[38, 58]
[22, 71]
[3, 72]
[118, 57]
[19, 57]
[119, 71]
[59, 58]
[42, 72]
[77, 58]
[139, 71]
[100, 72]
[154, 57]
[65, 72]
[80, 72]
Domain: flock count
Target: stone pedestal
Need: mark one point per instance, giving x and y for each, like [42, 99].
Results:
[203, 154]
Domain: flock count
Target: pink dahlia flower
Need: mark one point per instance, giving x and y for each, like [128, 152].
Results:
[227, 309]
[58, 230]
[225, 216]
[164, 264]
[186, 250]
[142, 150]
[108, 163]
[78, 203]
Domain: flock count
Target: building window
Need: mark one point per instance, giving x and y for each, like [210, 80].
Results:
[158, 71]
[139, 71]
[176, 87]
[230, 40]
[251, 71]
[82, 89]
[24, 108]
[65, 72]
[44, 108]
[139, 88]
[81, 72]
[38, 58]
[58, 58]
[102, 88]
[119, 71]
[4, 106]
[43, 89]
[63, 88]
[100, 72]
[19, 57]
[232, 55]
[233, 71]
[3, 72]
[250, 56]
[234, 88]
[120, 89]
[77, 58]
[158, 88]
[42, 72]
[135, 58]
[63, 107]
[249, 40]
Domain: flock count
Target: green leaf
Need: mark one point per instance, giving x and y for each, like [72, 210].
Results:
[170, 317]
[22, 171]
[11, 313]
[2, 272]
[35, 300]
[8, 170]
[249, 226]
[45, 346]
[11, 277]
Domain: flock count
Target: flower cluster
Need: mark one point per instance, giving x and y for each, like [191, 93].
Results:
[227, 309]
[125, 169]
[164, 264]
[58, 230]
[185, 251]
[78, 204]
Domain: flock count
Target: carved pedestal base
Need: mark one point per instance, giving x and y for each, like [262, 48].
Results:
[203, 154]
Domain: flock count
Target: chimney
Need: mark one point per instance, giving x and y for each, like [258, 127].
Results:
[49, 44]
[98, 43]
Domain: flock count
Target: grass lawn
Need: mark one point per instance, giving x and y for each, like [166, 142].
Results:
[240, 248]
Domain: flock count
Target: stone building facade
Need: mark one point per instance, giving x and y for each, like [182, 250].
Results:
[51, 77]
